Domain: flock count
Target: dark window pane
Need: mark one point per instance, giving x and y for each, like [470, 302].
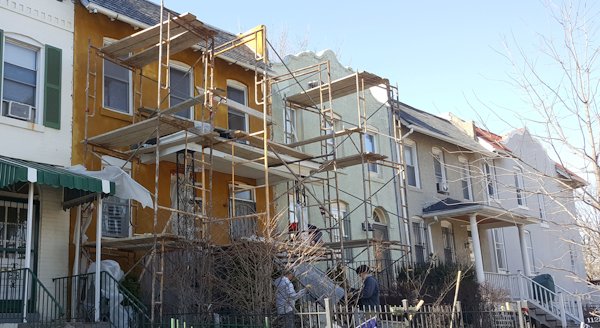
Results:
[116, 95]
[19, 92]
[20, 74]
[237, 120]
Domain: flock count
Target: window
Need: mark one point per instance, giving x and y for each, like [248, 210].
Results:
[180, 80]
[346, 228]
[448, 241]
[412, 166]
[290, 126]
[237, 120]
[242, 204]
[440, 171]
[490, 180]
[20, 81]
[572, 256]
[420, 241]
[117, 87]
[519, 187]
[371, 148]
[542, 209]
[499, 250]
[297, 211]
[465, 178]
[529, 246]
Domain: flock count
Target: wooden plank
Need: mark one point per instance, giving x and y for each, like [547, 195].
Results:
[147, 37]
[339, 88]
[279, 148]
[323, 137]
[351, 160]
[236, 105]
[140, 132]
[143, 38]
[149, 55]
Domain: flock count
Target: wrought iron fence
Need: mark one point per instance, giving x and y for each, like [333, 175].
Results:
[23, 298]
[120, 308]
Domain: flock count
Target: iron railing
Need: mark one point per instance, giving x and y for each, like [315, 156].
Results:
[118, 306]
[24, 299]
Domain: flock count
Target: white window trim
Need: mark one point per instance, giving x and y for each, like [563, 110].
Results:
[465, 168]
[520, 185]
[290, 115]
[503, 250]
[413, 146]
[437, 152]
[26, 42]
[374, 133]
[424, 233]
[542, 210]
[530, 251]
[486, 181]
[448, 225]
[107, 41]
[190, 71]
[240, 86]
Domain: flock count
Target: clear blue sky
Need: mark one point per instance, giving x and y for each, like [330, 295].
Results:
[441, 54]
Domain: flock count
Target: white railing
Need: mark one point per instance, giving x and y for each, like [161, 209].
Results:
[560, 303]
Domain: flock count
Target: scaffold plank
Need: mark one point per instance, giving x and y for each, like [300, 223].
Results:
[139, 132]
[324, 137]
[341, 87]
[351, 160]
[258, 142]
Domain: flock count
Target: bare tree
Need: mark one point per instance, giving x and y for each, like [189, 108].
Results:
[560, 84]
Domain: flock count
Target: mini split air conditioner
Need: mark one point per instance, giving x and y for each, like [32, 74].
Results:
[20, 111]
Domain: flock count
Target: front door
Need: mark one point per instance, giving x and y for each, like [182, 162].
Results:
[383, 256]
[13, 234]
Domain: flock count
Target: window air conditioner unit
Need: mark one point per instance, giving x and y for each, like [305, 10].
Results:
[19, 111]
[367, 227]
[442, 187]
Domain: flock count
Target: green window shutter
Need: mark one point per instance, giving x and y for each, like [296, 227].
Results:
[52, 87]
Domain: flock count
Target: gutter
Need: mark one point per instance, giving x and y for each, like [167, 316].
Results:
[95, 9]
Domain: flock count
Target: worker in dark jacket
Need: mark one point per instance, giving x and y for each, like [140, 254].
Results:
[369, 295]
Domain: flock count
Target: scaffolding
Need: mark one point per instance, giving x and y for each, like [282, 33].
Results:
[199, 149]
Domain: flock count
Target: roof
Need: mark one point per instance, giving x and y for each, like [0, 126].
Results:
[436, 127]
[148, 13]
[570, 175]
[13, 170]
[447, 204]
[492, 138]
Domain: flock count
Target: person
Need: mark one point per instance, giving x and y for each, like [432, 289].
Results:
[369, 295]
[285, 298]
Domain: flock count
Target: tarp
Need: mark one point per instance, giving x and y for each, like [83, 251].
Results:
[125, 186]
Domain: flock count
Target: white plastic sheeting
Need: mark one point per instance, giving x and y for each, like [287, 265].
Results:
[119, 315]
[125, 186]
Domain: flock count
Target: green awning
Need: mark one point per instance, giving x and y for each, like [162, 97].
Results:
[14, 170]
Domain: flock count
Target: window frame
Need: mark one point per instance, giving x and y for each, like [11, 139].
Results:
[39, 75]
[489, 172]
[178, 66]
[519, 187]
[413, 151]
[448, 241]
[289, 121]
[418, 223]
[465, 176]
[108, 41]
[241, 87]
[530, 250]
[372, 168]
[499, 245]
[346, 227]
[438, 157]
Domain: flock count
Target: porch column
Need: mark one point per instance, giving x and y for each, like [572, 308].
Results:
[477, 249]
[98, 259]
[28, 241]
[524, 250]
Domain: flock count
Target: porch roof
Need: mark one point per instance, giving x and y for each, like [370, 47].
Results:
[79, 187]
[456, 209]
